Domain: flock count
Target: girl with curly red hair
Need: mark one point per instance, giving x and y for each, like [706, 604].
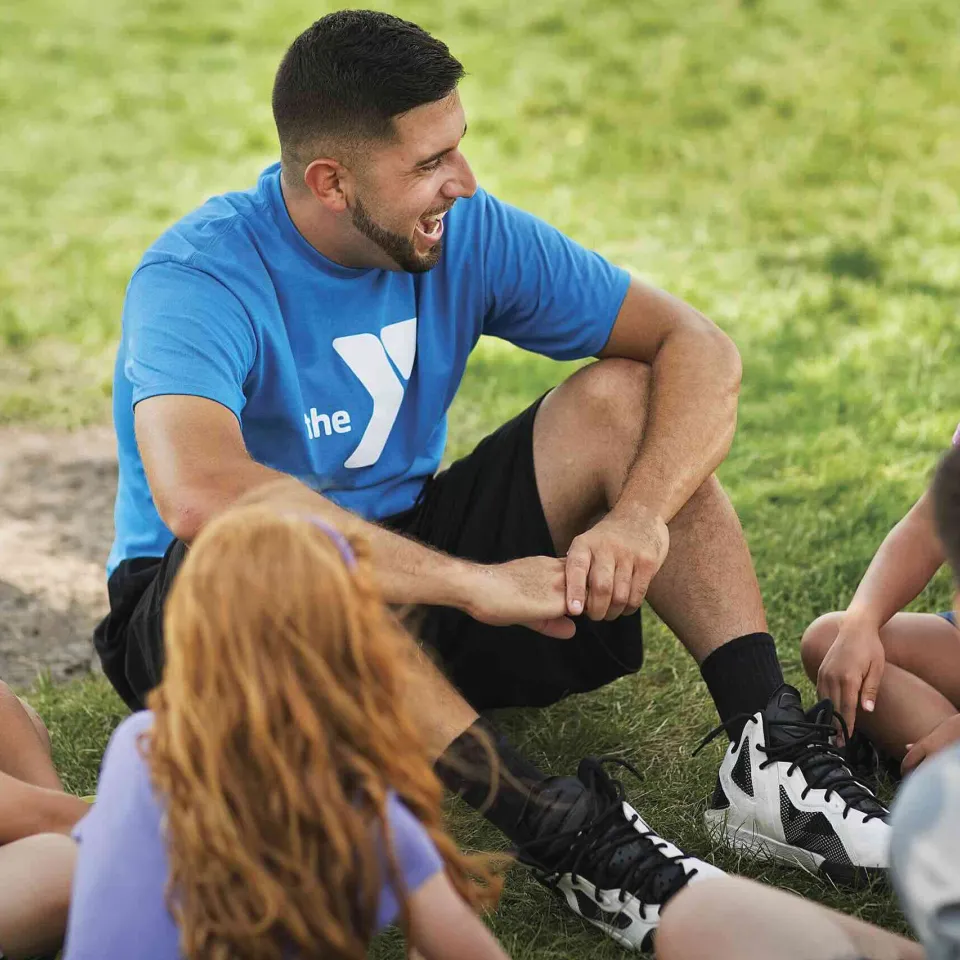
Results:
[277, 800]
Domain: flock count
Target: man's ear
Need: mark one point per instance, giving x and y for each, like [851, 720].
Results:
[327, 179]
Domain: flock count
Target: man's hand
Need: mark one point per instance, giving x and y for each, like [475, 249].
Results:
[529, 591]
[852, 669]
[609, 568]
[941, 736]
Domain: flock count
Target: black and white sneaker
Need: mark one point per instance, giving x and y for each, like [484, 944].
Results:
[593, 850]
[785, 793]
[869, 764]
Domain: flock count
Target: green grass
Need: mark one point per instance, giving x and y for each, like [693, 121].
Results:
[788, 166]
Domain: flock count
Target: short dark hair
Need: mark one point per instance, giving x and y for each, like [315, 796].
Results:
[347, 76]
[946, 508]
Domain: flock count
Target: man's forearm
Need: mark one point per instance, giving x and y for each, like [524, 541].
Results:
[407, 571]
[690, 422]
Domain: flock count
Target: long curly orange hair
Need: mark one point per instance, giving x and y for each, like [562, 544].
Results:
[280, 726]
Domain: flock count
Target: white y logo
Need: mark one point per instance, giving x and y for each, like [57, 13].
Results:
[368, 357]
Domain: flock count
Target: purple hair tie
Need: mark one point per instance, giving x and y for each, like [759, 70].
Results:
[339, 540]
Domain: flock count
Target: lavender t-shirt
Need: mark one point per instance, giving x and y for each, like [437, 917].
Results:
[118, 908]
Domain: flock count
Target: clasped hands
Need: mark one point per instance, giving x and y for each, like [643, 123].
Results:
[605, 574]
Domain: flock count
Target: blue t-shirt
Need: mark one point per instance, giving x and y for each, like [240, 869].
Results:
[118, 906]
[340, 377]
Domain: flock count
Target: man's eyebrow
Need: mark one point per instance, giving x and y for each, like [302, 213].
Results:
[440, 153]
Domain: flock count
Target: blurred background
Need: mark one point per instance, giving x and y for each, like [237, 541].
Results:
[790, 167]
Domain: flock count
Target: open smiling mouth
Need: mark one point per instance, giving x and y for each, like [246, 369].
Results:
[430, 229]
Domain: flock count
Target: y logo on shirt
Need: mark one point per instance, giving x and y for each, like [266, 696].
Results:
[368, 357]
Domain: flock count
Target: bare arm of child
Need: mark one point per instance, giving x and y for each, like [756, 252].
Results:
[26, 810]
[733, 918]
[903, 565]
[944, 735]
[445, 928]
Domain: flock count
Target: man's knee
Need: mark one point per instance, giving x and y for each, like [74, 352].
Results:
[817, 640]
[614, 394]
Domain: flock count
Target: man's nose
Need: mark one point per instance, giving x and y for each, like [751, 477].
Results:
[463, 184]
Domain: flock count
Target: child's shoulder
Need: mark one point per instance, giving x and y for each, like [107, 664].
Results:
[135, 724]
[411, 843]
[125, 803]
[129, 730]
[123, 750]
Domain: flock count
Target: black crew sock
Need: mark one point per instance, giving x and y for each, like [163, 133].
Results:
[465, 769]
[741, 676]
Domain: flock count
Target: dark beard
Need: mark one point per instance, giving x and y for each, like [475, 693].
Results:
[400, 249]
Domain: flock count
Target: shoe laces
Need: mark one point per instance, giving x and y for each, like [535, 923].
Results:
[808, 745]
[643, 870]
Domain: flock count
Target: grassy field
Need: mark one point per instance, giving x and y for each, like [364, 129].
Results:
[788, 166]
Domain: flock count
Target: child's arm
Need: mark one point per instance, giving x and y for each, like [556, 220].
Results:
[907, 559]
[443, 925]
[26, 810]
[445, 928]
[946, 734]
[905, 563]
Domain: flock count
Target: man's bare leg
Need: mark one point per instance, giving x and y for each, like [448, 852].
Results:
[736, 919]
[448, 716]
[587, 434]
[586, 437]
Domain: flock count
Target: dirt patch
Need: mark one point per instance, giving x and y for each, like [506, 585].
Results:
[56, 525]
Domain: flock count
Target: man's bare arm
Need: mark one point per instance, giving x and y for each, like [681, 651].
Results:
[691, 419]
[197, 465]
[693, 402]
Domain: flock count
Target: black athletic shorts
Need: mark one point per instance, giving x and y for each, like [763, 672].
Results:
[484, 508]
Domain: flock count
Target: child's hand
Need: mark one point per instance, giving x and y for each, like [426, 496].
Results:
[852, 669]
[941, 736]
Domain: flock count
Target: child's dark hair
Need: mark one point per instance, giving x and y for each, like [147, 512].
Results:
[946, 508]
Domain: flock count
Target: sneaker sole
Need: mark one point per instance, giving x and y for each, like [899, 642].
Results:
[746, 840]
[564, 891]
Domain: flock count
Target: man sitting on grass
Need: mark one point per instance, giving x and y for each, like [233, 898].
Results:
[312, 331]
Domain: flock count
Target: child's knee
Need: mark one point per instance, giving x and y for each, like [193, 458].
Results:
[6, 694]
[9, 701]
[817, 640]
[42, 732]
